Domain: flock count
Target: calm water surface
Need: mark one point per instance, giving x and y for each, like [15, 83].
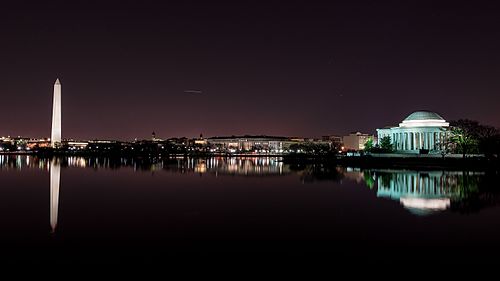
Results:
[136, 210]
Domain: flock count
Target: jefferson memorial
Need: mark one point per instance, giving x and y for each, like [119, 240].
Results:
[421, 130]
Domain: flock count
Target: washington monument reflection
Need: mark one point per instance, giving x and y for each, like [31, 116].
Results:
[55, 179]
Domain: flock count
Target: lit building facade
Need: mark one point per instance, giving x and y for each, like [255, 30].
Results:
[262, 144]
[421, 130]
[355, 141]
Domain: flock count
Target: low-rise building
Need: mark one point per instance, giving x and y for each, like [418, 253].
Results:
[77, 145]
[256, 144]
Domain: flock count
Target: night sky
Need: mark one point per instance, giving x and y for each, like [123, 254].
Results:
[293, 68]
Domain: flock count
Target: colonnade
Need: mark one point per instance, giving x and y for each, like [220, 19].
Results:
[416, 139]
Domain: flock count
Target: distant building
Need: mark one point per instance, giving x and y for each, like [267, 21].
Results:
[38, 143]
[421, 131]
[335, 141]
[179, 142]
[103, 145]
[72, 145]
[257, 144]
[10, 144]
[201, 141]
[355, 141]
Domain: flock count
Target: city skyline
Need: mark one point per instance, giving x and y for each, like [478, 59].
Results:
[56, 127]
[56, 138]
[225, 69]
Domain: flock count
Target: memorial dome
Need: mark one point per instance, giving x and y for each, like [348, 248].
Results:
[423, 115]
[424, 118]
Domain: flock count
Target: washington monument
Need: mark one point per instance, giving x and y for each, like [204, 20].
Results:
[55, 137]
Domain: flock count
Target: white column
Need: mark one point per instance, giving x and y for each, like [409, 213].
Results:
[409, 140]
[55, 137]
[432, 141]
[413, 140]
[403, 139]
[426, 140]
[419, 140]
[405, 142]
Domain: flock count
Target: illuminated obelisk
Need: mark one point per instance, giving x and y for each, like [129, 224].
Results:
[55, 178]
[55, 137]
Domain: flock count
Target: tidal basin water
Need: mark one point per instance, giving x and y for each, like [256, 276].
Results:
[73, 209]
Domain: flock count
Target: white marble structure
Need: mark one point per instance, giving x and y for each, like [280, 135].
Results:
[421, 130]
[55, 137]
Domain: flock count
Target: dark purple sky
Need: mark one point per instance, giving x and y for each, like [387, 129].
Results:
[276, 67]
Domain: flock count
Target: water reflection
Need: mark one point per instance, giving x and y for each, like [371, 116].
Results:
[244, 166]
[19, 162]
[247, 166]
[420, 192]
[55, 180]
[427, 192]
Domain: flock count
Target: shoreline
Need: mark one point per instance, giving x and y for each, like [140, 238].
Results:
[366, 162]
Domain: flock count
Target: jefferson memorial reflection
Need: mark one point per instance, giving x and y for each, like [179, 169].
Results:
[423, 192]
